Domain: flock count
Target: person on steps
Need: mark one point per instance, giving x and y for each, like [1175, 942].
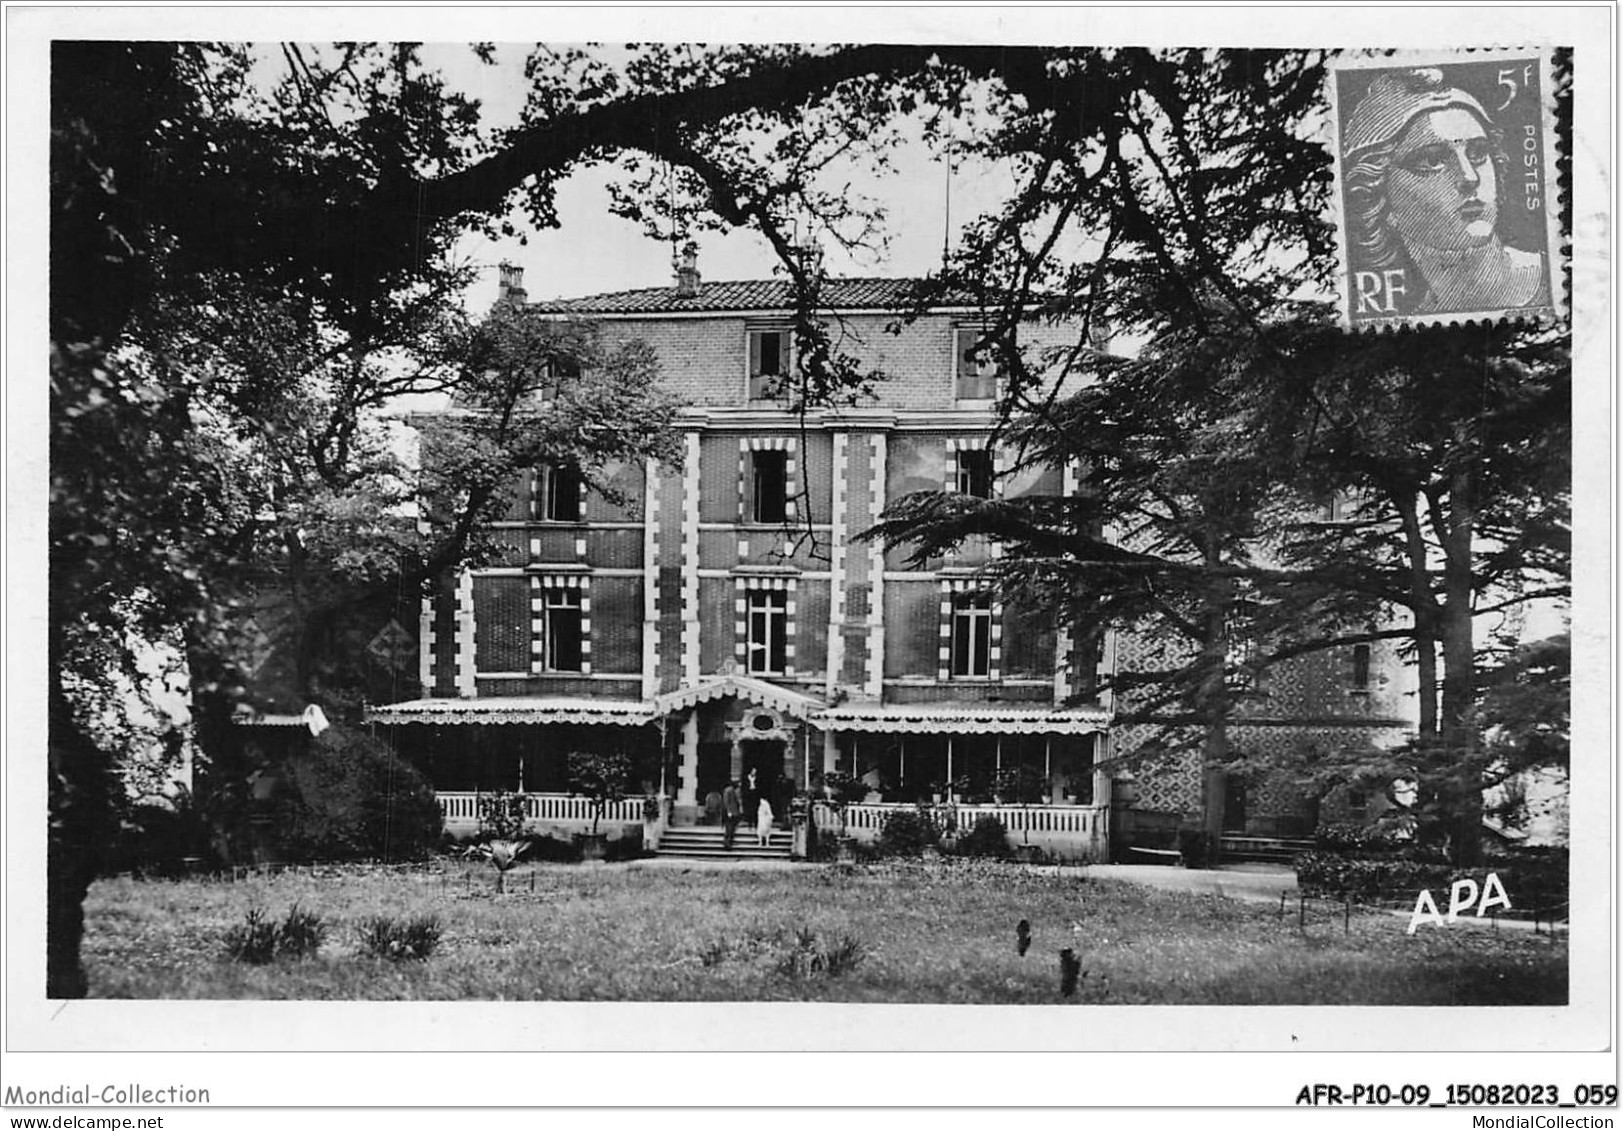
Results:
[732, 811]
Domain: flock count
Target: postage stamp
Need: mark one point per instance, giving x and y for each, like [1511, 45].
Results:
[1447, 188]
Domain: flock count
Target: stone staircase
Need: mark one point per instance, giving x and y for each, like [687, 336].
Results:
[705, 842]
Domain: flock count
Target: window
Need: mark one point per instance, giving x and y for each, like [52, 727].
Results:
[1240, 646]
[976, 371]
[1360, 667]
[768, 362]
[768, 629]
[557, 494]
[972, 636]
[975, 472]
[561, 629]
[558, 371]
[769, 486]
[1338, 506]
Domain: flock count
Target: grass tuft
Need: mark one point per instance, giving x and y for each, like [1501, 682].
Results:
[400, 939]
[259, 940]
[253, 940]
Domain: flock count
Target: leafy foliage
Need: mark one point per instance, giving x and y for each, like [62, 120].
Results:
[907, 832]
[553, 850]
[1197, 848]
[259, 939]
[1526, 711]
[401, 939]
[1359, 838]
[254, 940]
[987, 838]
[601, 775]
[1019, 785]
[807, 957]
[352, 797]
[1530, 884]
[501, 815]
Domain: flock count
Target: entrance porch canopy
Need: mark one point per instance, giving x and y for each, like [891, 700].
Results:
[516, 709]
[796, 704]
[958, 718]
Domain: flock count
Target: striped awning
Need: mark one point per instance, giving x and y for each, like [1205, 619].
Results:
[615, 712]
[790, 702]
[952, 718]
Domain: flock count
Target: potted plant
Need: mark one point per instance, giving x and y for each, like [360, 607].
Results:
[503, 855]
[601, 777]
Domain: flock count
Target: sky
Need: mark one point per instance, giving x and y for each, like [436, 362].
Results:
[593, 251]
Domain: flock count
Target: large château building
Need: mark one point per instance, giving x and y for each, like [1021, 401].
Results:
[727, 619]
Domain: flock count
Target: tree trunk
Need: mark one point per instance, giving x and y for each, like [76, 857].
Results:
[219, 781]
[1214, 707]
[1457, 717]
[1214, 784]
[1424, 607]
[81, 825]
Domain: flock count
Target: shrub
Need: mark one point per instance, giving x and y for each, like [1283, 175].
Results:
[155, 838]
[600, 775]
[351, 797]
[987, 838]
[552, 850]
[807, 957]
[908, 832]
[300, 933]
[866, 852]
[1019, 785]
[1358, 838]
[400, 940]
[253, 940]
[1529, 884]
[1197, 847]
[628, 847]
[844, 955]
[826, 846]
[259, 939]
[501, 816]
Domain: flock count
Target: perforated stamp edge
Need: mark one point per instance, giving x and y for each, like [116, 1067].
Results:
[1557, 253]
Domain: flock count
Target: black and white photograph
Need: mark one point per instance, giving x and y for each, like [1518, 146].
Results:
[810, 531]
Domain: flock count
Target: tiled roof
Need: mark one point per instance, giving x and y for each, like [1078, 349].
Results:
[751, 294]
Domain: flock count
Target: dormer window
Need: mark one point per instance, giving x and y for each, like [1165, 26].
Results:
[976, 373]
[557, 494]
[769, 356]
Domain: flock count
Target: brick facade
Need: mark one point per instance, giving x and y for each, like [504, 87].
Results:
[670, 573]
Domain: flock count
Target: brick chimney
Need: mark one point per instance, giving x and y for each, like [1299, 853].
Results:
[510, 285]
[810, 254]
[687, 271]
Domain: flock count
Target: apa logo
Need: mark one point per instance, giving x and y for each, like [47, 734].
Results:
[1462, 895]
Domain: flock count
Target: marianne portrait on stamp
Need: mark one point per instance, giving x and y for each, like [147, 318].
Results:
[1425, 171]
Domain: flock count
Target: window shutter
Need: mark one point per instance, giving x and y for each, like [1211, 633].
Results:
[755, 353]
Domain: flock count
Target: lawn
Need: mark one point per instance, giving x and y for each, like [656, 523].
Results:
[896, 932]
